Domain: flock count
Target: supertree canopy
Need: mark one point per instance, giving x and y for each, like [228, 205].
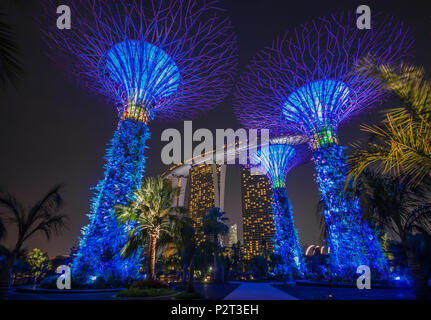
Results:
[276, 160]
[308, 82]
[166, 60]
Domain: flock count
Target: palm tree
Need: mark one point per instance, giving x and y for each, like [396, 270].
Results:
[10, 68]
[44, 217]
[401, 145]
[148, 212]
[392, 206]
[184, 238]
[214, 227]
[193, 255]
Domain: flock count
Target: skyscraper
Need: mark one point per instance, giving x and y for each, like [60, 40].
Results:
[258, 224]
[201, 196]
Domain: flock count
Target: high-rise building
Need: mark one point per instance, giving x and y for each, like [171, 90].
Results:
[233, 235]
[180, 182]
[202, 195]
[258, 224]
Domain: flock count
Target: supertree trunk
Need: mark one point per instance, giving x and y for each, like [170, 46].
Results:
[103, 239]
[351, 240]
[286, 239]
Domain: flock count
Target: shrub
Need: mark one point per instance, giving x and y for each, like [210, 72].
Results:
[148, 292]
[189, 296]
[180, 287]
[80, 282]
[49, 282]
[149, 284]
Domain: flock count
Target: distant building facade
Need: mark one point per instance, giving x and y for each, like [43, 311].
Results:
[202, 194]
[180, 182]
[258, 224]
[233, 235]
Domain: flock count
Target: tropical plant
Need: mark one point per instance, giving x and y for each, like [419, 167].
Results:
[145, 292]
[43, 217]
[200, 260]
[236, 256]
[421, 244]
[259, 267]
[233, 261]
[194, 255]
[10, 67]
[214, 227]
[400, 145]
[394, 207]
[38, 262]
[148, 214]
[185, 241]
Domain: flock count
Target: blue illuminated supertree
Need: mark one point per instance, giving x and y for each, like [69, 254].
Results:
[164, 60]
[276, 160]
[308, 82]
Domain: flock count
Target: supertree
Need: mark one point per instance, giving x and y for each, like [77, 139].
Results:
[308, 82]
[164, 60]
[275, 160]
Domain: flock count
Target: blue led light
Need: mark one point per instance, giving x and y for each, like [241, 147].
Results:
[351, 240]
[145, 72]
[275, 161]
[103, 238]
[319, 104]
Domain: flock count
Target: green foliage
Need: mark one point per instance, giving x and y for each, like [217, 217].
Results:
[421, 244]
[43, 217]
[84, 283]
[184, 238]
[275, 261]
[318, 268]
[145, 292]
[38, 262]
[400, 145]
[259, 267]
[148, 216]
[148, 211]
[213, 223]
[149, 284]
[49, 282]
[189, 296]
[214, 227]
[110, 282]
[391, 205]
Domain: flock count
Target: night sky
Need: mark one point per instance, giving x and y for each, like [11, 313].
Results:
[52, 131]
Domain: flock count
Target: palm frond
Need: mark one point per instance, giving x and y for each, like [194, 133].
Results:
[43, 217]
[14, 211]
[403, 147]
[149, 209]
[10, 66]
[49, 226]
[134, 242]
